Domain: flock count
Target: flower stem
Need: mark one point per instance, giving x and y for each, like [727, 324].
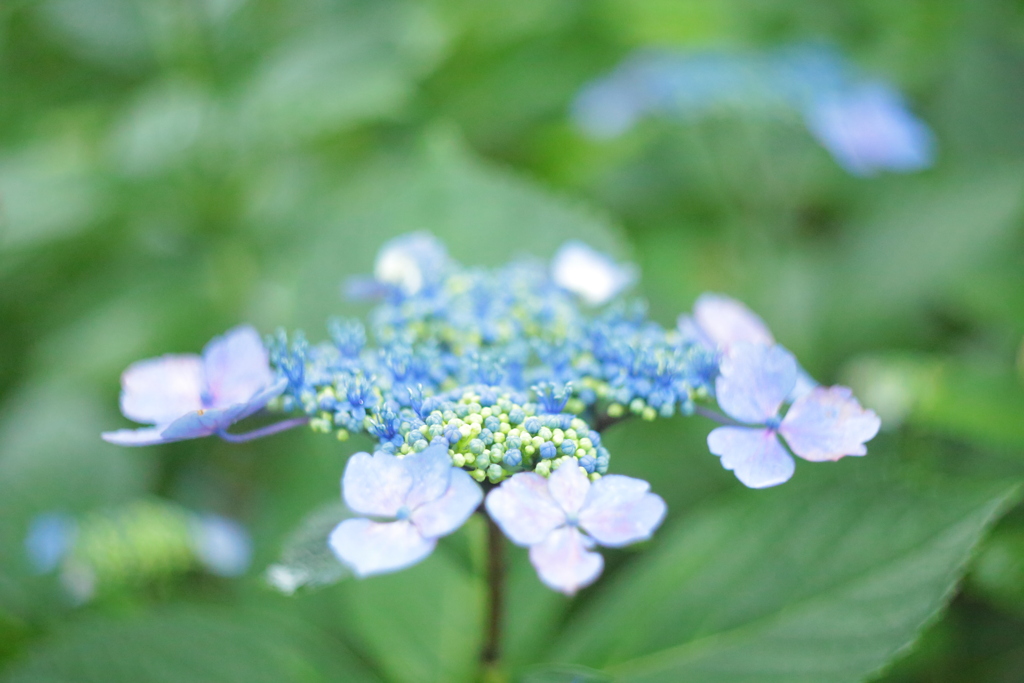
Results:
[263, 431]
[491, 653]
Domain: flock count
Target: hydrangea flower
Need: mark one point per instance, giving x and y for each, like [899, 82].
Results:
[563, 517]
[868, 129]
[825, 424]
[424, 496]
[186, 396]
[863, 123]
[594, 276]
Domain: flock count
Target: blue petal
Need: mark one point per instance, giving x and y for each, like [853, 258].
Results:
[377, 548]
[430, 471]
[201, 423]
[446, 514]
[754, 381]
[755, 455]
[375, 484]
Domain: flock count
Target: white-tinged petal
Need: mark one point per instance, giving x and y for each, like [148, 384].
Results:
[726, 321]
[524, 509]
[429, 471]
[754, 381]
[159, 390]
[620, 510]
[236, 367]
[569, 485]
[378, 547]
[594, 276]
[755, 455]
[828, 423]
[446, 514]
[150, 436]
[375, 484]
[564, 562]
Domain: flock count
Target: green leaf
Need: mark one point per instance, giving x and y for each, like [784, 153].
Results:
[188, 644]
[359, 65]
[564, 674]
[922, 241]
[801, 584]
[420, 624]
[306, 559]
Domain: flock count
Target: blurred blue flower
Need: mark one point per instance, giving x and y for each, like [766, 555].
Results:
[562, 518]
[425, 496]
[187, 396]
[221, 544]
[50, 537]
[825, 424]
[868, 129]
[863, 123]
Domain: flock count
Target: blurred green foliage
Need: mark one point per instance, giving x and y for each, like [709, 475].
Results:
[169, 168]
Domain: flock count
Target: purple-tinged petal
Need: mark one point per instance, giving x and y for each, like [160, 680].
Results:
[524, 509]
[446, 514]
[621, 510]
[199, 423]
[754, 381]
[755, 455]
[564, 561]
[594, 276]
[160, 390]
[375, 484]
[569, 486]
[827, 424]
[430, 471]
[726, 321]
[236, 367]
[378, 547]
[150, 436]
[260, 399]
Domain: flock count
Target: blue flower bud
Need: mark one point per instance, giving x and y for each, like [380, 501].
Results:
[588, 463]
[548, 450]
[453, 435]
[476, 446]
[516, 416]
[513, 458]
[568, 447]
[492, 423]
[532, 425]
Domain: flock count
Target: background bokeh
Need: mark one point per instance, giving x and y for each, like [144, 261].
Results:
[170, 168]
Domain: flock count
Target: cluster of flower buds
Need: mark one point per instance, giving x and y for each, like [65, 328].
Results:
[139, 542]
[503, 378]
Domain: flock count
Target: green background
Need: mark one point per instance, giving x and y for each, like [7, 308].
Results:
[170, 168]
